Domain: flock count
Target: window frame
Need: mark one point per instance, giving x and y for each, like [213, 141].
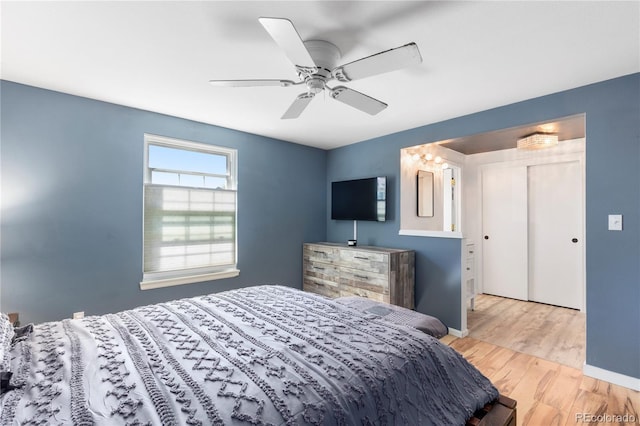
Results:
[151, 280]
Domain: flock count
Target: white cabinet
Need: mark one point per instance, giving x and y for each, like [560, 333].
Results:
[469, 272]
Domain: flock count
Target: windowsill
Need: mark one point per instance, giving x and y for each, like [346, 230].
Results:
[191, 279]
[437, 234]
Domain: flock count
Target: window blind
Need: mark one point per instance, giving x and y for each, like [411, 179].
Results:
[188, 228]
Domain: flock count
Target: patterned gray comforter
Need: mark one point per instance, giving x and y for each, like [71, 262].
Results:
[260, 355]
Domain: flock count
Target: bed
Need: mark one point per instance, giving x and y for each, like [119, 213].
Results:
[264, 355]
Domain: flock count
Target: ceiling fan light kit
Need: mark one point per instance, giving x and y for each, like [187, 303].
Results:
[316, 61]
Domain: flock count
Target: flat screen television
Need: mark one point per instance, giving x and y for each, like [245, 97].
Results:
[359, 199]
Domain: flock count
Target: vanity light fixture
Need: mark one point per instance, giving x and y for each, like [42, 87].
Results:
[428, 157]
[538, 141]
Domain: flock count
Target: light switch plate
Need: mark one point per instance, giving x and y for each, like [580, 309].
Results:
[615, 222]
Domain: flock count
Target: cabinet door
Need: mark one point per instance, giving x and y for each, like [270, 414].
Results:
[504, 231]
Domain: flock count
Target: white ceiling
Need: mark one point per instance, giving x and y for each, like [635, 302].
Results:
[159, 56]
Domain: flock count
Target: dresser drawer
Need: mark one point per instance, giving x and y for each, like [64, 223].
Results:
[321, 271]
[324, 288]
[366, 280]
[320, 253]
[470, 249]
[469, 266]
[368, 261]
[352, 291]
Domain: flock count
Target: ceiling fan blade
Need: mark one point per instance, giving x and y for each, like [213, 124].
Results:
[388, 60]
[357, 100]
[251, 83]
[287, 37]
[298, 105]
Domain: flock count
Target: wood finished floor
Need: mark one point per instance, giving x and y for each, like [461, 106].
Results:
[548, 332]
[549, 392]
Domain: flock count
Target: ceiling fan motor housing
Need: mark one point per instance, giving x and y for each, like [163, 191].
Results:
[324, 54]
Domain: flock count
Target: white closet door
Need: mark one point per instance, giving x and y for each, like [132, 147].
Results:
[555, 234]
[504, 238]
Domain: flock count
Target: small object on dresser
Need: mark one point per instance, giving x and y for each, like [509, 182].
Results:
[352, 242]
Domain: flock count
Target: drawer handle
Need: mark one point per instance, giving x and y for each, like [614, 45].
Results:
[470, 251]
[362, 277]
[361, 257]
[320, 252]
[468, 269]
[318, 268]
[320, 284]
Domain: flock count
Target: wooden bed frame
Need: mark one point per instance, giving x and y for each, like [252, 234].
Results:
[501, 412]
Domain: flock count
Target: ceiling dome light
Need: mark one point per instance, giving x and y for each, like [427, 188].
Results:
[538, 141]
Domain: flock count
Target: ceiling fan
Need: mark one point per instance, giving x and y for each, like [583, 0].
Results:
[315, 62]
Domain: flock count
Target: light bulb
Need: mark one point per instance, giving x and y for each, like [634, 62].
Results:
[438, 159]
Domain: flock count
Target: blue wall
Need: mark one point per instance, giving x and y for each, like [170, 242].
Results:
[438, 275]
[72, 172]
[612, 186]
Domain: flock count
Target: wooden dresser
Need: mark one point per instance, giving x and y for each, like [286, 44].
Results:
[381, 274]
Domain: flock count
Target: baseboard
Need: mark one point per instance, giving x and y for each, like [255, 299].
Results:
[611, 377]
[458, 333]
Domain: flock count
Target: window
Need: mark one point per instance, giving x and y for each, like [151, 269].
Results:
[189, 212]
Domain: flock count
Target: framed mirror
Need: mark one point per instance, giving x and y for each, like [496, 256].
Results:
[425, 193]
